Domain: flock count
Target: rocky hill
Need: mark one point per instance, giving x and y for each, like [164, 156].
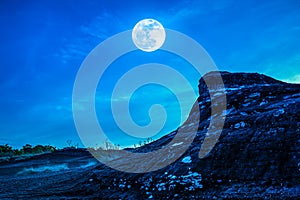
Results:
[256, 156]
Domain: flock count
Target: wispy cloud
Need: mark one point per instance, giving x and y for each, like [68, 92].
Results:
[194, 9]
[91, 34]
[103, 26]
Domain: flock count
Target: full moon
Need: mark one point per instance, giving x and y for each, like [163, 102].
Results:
[148, 35]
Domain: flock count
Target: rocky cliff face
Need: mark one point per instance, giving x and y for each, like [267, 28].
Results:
[260, 142]
[257, 154]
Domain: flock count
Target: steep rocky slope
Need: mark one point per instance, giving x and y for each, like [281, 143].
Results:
[256, 156]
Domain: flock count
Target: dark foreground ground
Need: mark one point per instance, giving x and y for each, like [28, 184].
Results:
[74, 174]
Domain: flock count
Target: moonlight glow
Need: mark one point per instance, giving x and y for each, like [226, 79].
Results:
[148, 35]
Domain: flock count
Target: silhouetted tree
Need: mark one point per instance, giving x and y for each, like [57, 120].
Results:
[38, 149]
[27, 148]
[107, 144]
[5, 148]
[69, 142]
[18, 152]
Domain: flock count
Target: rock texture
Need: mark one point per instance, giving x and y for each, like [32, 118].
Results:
[256, 156]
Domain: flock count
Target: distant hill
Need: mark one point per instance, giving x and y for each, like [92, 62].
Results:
[256, 156]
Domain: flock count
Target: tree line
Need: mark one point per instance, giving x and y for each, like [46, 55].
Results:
[6, 150]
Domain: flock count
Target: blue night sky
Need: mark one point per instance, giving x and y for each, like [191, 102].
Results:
[43, 44]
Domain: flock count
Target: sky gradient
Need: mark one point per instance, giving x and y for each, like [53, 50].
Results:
[43, 44]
